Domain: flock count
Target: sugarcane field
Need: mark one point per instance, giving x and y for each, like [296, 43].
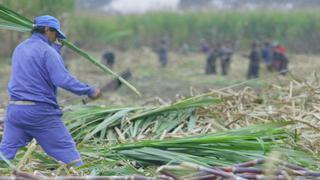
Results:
[159, 89]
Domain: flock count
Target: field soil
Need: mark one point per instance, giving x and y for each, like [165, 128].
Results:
[183, 76]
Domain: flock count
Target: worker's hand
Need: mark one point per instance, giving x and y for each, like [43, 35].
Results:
[96, 94]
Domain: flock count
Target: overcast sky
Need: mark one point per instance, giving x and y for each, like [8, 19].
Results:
[141, 6]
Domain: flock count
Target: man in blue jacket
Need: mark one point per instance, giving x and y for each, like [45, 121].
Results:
[33, 111]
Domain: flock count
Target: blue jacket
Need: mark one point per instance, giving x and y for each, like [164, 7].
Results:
[37, 71]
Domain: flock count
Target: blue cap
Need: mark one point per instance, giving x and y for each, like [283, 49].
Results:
[50, 21]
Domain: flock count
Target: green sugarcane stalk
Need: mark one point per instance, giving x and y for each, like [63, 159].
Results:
[10, 165]
[21, 23]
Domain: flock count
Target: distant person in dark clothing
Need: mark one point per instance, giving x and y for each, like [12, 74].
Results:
[226, 52]
[254, 63]
[211, 61]
[108, 59]
[163, 53]
[267, 55]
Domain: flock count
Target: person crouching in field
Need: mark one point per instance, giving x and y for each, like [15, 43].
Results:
[280, 59]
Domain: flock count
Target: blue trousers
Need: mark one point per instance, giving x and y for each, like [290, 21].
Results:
[43, 123]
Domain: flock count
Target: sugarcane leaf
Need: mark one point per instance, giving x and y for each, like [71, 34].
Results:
[192, 121]
[107, 123]
[260, 140]
[9, 11]
[223, 148]
[111, 137]
[159, 156]
[11, 166]
[172, 120]
[185, 103]
[7, 26]
[103, 134]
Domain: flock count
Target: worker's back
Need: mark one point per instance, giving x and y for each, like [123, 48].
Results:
[30, 79]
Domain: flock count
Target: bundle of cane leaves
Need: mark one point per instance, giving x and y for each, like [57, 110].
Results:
[166, 118]
[132, 123]
[14, 21]
[222, 149]
[86, 122]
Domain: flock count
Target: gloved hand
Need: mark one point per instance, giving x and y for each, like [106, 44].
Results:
[57, 45]
[96, 94]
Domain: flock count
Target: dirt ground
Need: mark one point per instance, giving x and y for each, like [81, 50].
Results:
[183, 76]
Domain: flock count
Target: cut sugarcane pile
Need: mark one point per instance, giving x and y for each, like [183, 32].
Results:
[297, 101]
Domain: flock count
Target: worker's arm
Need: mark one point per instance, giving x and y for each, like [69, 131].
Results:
[61, 77]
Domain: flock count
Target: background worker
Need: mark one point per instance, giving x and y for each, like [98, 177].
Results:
[163, 53]
[226, 52]
[254, 61]
[33, 111]
[108, 59]
[280, 59]
[267, 55]
[211, 60]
